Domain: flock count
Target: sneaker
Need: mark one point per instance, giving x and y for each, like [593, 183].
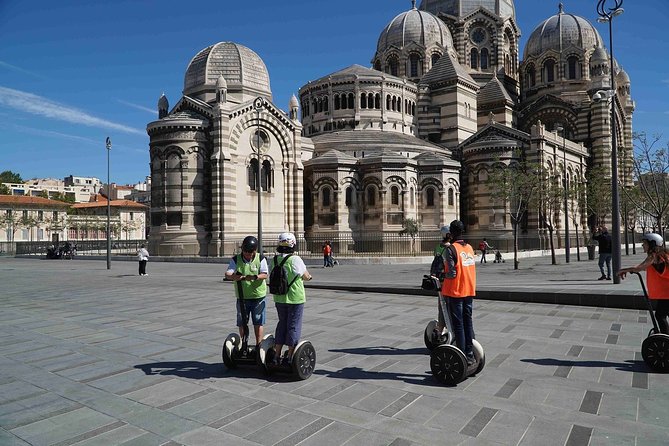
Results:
[470, 361]
[285, 361]
[602, 278]
[608, 277]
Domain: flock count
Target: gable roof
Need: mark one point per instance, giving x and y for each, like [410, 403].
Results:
[447, 70]
[493, 92]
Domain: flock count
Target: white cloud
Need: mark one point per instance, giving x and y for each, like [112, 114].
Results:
[38, 105]
[138, 107]
[42, 132]
[20, 70]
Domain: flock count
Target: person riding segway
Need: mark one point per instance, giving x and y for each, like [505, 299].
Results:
[248, 270]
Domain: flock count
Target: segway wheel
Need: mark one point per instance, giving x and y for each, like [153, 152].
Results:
[431, 340]
[655, 352]
[479, 355]
[651, 332]
[266, 351]
[304, 360]
[230, 348]
[448, 364]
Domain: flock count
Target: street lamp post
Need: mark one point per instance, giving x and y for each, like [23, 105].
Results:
[108, 144]
[606, 15]
[258, 104]
[565, 185]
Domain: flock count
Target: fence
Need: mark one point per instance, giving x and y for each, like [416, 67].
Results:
[83, 247]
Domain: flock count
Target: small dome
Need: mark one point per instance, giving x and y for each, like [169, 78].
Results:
[162, 102]
[241, 67]
[221, 82]
[562, 31]
[462, 8]
[293, 102]
[622, 78]
[414, 26]
[599, 56]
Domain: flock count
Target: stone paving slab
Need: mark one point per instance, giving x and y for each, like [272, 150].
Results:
[90, 356]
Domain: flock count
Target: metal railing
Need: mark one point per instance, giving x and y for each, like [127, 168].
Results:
[82, 247]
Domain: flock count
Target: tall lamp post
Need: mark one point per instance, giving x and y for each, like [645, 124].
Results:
[258, 104]
[565, 185]
[108, 144]
[607, 15]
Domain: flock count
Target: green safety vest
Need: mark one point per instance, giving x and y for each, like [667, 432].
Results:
[250, 289]
[296, 293]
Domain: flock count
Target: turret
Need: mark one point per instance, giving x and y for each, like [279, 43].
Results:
[163, 106]
[221, 90]
[293, 106]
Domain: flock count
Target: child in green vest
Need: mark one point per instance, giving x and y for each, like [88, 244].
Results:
[249, 270]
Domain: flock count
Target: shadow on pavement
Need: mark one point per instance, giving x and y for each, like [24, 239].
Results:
[360, 374]
[381, 350]
[185, 369]
[627, 366]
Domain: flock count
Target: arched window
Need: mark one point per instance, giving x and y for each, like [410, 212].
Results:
[388, 102]
[411, 197]
[394, 103]
[370, 100]
[394, 195]
[572, 64]
[474, 58]
[363, 100]
[393, 65]
[414, 61]
[451, 197]
[377, 101]
[484, 59]
[349, 196]
[549, 69]
[351, 101]
[430, 197]
[531, 76]
[326, 103]
[252, 174]
[336, 102]
[435, 58]
[266, 180]
[326, 197]
[371, 196]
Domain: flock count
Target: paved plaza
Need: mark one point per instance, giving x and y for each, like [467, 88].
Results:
[90, 356]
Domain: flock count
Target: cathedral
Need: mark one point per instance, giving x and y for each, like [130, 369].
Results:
[414, 135]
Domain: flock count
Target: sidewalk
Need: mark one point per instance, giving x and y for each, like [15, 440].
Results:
[536, 280]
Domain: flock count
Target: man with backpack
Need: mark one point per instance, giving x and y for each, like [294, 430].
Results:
[287, 286]
[249, 271]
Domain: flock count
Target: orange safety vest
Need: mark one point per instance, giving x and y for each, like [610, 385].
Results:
[464, 282]
[658, 284]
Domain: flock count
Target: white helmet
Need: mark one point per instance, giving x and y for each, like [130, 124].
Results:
[445, 231]
[653, 239]
[287, 239]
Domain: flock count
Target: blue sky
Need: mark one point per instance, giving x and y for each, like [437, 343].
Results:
[76, 71]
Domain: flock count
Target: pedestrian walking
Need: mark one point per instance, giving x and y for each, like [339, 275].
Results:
[484, 247]
[603, 238]
[143, 257]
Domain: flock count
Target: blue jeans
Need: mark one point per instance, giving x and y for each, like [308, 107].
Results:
[289, 327]
[463, 327]
[605, 257]
[255, 308]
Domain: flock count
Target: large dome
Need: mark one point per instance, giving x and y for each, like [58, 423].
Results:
[561, 32]
[462, 8]
[415, 26]
[240, 66]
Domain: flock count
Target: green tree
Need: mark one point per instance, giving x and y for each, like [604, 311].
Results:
[516, 183]
[410, 227]
[599, 195]
[10, 177]
[4, 190]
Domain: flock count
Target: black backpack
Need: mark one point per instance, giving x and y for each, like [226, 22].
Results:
[437, 266]
[278, 278]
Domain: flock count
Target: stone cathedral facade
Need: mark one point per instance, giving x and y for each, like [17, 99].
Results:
[413, 135]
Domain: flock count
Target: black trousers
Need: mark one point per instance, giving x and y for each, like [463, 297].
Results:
[661, 314]
[142, 267]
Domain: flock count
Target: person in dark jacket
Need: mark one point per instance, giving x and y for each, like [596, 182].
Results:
[602, 236]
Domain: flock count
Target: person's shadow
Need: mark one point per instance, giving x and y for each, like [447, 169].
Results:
[356, 373]
[381, 350]
[627, 366]
[203, 370]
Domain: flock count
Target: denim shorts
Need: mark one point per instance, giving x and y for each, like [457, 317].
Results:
[255, 308]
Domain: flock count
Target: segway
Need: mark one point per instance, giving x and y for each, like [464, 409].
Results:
[236, 349]
[655, 348]
[431, 338]
[447, 362]
[301, 366]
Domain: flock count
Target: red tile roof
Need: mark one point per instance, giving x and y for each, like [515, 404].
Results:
[22, 200]
[102, 203]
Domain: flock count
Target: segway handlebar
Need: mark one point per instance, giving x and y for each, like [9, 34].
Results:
[650, 306]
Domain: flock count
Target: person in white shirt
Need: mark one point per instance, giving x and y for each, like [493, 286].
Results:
[143, 257]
